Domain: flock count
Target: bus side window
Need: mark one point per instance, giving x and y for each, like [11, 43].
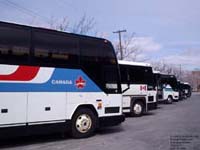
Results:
[52, 49]
[110, 79]
[125, 77]
[14, 45]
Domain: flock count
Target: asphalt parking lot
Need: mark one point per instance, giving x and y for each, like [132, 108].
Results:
[170, 127]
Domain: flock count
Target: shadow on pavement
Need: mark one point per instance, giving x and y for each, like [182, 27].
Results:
[149, 114]
[159, 107]
[29, 140]
[42, 139]
[110, 130]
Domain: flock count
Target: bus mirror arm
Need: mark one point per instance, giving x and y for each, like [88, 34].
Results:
[128, 87]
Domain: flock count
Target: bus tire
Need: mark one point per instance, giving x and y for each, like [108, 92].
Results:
[137, 109]
[84, 123]
[169, 100]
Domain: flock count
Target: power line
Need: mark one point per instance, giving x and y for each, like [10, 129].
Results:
[5, 2]
[33, 13]
[70, 4]
[25, 10]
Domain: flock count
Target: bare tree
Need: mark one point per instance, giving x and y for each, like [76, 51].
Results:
[181, 74]
[163, 67]
[61, 25]
[64, 25]
[167, 68]
[131, 50]
[83, 26]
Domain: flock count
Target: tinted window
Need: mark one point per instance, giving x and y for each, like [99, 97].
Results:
[173, 84]
[111, 78]
[55, 49]
[99, 62]
[136, 74]
[168, 79]
[148, 75]
[124, 74]
[14, 44]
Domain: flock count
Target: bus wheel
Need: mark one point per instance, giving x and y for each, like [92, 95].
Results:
[137, 109]
[169, 100]
[84, 123]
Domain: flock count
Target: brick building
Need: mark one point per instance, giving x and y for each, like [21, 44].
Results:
[196, 80]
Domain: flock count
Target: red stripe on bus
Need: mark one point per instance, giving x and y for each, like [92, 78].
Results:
[23, 73]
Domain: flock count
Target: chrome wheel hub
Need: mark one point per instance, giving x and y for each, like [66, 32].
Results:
[137, 108]
[83, 123]
[169, 100]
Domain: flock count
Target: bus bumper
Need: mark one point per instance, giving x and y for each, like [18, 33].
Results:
[152, 106]
[111, 120]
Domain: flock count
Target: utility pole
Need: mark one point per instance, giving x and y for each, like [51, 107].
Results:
[180, 72]
[120, 42]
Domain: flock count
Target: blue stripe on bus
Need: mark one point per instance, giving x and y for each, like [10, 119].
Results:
[62, 80]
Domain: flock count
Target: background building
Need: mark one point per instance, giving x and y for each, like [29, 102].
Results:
[196, 80]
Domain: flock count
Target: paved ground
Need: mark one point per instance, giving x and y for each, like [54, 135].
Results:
[179, 121]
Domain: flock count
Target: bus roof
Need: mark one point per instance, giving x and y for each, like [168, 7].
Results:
[123, 62]
[186, 83]
[164, 75]
[156, 71]
[53, 30]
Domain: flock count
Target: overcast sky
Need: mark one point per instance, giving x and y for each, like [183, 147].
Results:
[167, 30]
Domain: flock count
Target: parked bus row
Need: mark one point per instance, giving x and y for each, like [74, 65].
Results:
[144, 88]
[53, 81]
[170, 89]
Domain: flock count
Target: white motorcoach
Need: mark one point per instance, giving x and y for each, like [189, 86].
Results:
[139, 94]
[53, 81]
